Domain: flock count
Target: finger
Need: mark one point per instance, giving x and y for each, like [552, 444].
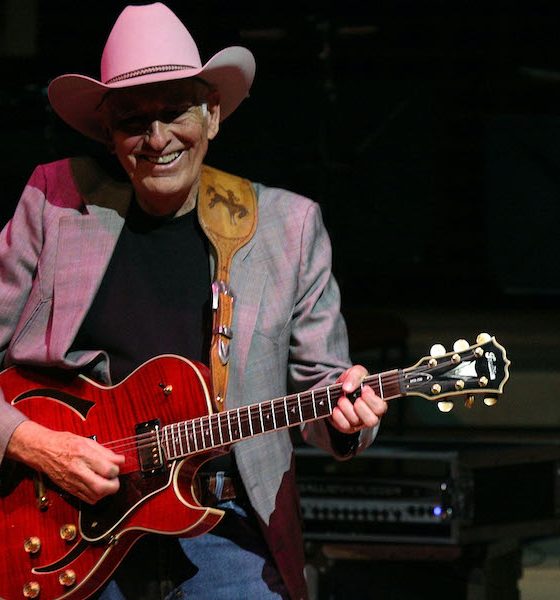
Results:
[373, 401]
[367, 417]
[103, 461]
[345, 416]
[352, 379]
[366, 411]
[92, 487]
[103, 467]
[91, 470]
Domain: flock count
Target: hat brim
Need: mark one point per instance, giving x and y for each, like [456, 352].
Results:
[76, 98]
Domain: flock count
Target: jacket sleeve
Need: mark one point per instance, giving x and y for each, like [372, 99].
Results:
[21, 241]
[319, 340]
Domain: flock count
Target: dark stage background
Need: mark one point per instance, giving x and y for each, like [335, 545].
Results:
[428, 131]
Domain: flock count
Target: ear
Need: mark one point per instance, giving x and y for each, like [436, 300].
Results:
[213, 116]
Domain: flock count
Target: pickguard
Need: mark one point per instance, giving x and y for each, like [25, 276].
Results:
[98, 521]
[77, 404]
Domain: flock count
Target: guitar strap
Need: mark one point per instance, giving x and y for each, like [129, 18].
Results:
[227, 212]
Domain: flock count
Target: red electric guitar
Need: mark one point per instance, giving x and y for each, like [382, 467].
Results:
[161, 418]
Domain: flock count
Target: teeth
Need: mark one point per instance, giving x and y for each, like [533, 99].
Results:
[163, 160]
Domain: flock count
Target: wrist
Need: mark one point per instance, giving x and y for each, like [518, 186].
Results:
[23, 441]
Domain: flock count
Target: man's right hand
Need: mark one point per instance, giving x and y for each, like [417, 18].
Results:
[77, 464]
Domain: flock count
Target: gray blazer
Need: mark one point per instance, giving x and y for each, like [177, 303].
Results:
[288, 334]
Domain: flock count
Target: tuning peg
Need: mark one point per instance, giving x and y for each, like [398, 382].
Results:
[437, 350]
[469, 401]
[460, 345]
[482, 338]
[490, 400]
[445, 406]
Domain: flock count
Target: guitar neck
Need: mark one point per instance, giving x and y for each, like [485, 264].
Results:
[223, 428]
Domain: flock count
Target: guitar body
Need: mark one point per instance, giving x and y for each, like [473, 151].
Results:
[161, 418]
[51, 545]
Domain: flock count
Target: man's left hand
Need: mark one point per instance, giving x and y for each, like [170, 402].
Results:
[351, 416]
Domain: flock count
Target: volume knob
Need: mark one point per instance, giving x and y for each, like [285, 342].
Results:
[68, 532]
[32, 544]
[67, 578]
[31, 589]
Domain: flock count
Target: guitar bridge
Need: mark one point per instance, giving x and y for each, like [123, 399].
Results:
[150, 453]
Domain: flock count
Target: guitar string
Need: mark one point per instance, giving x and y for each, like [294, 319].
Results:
[238, 416]
[381, 379]
[291, 401]
[242, 414]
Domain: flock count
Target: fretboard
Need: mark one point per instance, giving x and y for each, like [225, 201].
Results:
[223, 428]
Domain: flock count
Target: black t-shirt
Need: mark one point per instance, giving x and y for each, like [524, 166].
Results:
[155, 296]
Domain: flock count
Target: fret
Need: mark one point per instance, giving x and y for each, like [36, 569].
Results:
[261, 418]
[300, 411]
[205, 434]
[329, 400]
[391, 384]
[307, 407]
[198, 434]
[313, 403]
[273, 411]
[267, 417]
[256, 419]
[228, 416]
[239, 425]
[219, 425]
[169, 435]
[180, 439]
[253, 419]
[173, 439]
[250, 419]
[381, 393]
[192, 435]
[279, 412]
[294, 418]
[324, 406]
[159, 442]
[167, 443]
[210, 429]
[286, 411]
[186, 434]
[321, 406]
[245, 423]
[237, 431]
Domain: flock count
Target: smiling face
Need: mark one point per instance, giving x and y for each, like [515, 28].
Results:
[160, 134]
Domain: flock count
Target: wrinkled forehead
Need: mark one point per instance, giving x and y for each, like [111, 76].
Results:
[167, 93]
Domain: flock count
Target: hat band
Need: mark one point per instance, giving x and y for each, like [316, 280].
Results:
[147, 71]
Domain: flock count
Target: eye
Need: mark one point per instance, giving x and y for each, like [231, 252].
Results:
[133, 124]
[172, 114]
[180, 112]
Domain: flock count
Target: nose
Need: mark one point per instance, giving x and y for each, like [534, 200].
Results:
[157, 135]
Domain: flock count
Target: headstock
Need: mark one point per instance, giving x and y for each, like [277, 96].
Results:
[468, 371]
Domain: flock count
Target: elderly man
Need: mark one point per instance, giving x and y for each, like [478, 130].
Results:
[101, 274]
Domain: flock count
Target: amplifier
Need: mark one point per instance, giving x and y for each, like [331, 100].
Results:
[448, 493]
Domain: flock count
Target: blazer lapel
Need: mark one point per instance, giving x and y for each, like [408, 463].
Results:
[247, 284]
[85, 246]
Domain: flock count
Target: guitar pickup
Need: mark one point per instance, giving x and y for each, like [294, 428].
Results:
[150, 453]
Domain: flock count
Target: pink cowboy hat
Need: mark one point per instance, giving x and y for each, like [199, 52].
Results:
[149, 44]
